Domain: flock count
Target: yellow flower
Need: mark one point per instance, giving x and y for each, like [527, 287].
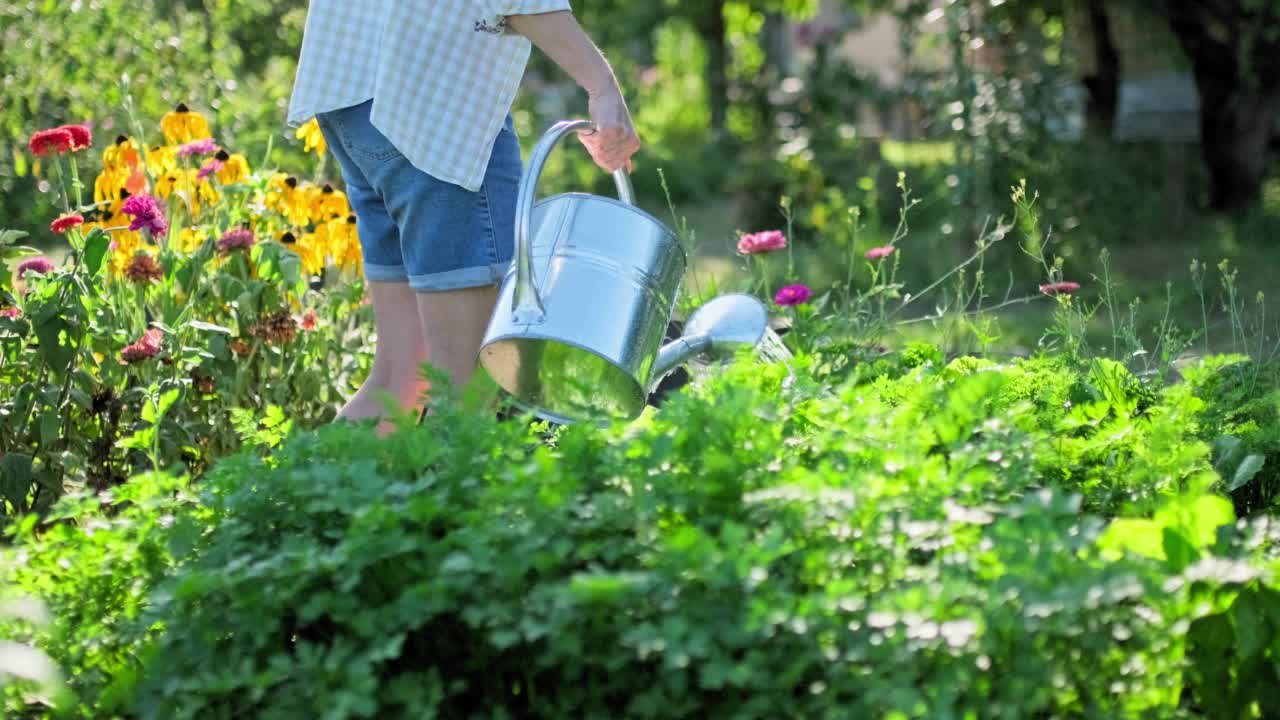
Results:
[343, 243]
[122, 157]
[125, 245]
[162, 159]
[169, 183]
[288, 197]
[235, 168]
[189, 188]
[328, 204]
[183, 126]
[109, 184]
[312, 138]
[310, 251]
[190, 240]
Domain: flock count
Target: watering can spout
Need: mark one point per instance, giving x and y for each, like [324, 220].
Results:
[678, 352]
[716, 330]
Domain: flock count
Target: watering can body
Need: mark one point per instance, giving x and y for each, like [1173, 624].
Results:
[582, 313]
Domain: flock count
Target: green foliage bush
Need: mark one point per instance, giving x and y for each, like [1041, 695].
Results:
[930, 542]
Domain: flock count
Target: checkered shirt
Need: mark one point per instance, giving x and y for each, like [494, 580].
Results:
[442, 74]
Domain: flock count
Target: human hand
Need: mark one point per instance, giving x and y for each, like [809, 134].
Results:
[613, 140]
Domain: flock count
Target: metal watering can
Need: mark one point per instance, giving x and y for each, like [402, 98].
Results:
[578, 328]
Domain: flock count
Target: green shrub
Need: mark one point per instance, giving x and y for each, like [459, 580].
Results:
[94, 561]
[932, 543]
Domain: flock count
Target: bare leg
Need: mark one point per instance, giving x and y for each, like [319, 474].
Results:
[397, 357]
[453, 324]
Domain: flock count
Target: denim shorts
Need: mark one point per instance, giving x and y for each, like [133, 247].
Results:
[414, 228]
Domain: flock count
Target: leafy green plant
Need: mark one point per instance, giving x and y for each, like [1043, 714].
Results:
[764, 545]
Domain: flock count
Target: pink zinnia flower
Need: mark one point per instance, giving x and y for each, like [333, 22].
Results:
[81, 136]
[38, 265]
[762, 242]
[233, 240]
[146, 214]
[200, 147]
[209, 168]
[792, 295]
[878, 253]
[66, 222]
[12, 313]
[147, 346]
[1060, 288]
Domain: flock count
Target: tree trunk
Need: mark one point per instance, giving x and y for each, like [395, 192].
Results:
[1104, 84]
[1239, 97]
[1235, 129]
[710, 25]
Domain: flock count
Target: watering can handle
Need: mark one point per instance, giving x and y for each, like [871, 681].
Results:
[526, 300]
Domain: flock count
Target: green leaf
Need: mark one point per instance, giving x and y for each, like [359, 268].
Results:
[1137, 535]
[1198, 518]
[95, 249]
[1248, 469]
[55, 346]
[9, 237]
[48, 427]
[15, 479]
[168, 399]
[1252, 626]
[1178, 551]
[209, 327]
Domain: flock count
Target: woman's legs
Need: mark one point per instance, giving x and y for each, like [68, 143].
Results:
[453, 324]
[397, 357]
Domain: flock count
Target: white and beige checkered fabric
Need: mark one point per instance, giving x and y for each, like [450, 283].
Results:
[442, 74]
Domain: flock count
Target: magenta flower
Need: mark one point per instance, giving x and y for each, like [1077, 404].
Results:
[147, 346]
[793, 295]
[209, 168]
[12, 313]
[146, 214]
[233, 240]
[762, 242]
[38, 265]
[200, 147]
[1059, 288]
[879, 253]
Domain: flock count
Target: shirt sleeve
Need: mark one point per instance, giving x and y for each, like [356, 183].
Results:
[502, 8]
[496, 11]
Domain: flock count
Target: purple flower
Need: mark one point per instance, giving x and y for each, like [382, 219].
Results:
[146, 214]
[233, 240]
[38, 265]
[200, 147]
[209, 168]
[793, 295]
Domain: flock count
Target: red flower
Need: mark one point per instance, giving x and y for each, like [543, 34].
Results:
[762, 242]
[877, 253]
[308, 321]
[57, 140]
[792, 295]
[1060, 288]
[143, 269]
[66, 222]
[147, 346]
[81, 136]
